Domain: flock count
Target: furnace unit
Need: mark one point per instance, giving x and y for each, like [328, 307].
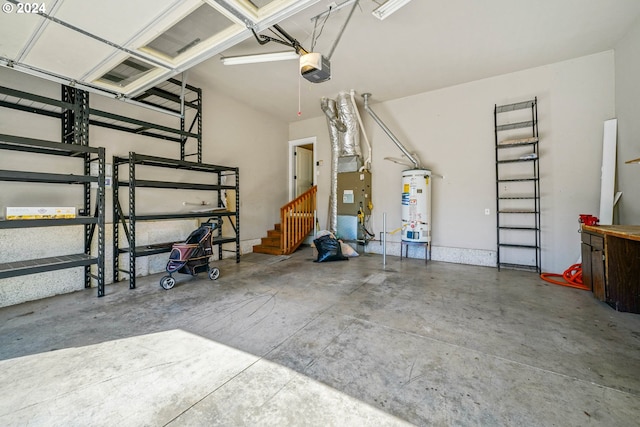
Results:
[354, 205]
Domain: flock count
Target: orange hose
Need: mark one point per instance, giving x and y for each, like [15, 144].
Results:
[572, 278]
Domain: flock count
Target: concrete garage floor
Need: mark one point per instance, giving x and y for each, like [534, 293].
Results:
[279, 341]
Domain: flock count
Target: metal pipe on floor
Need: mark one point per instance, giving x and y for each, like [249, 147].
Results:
[384, 239]
[315, 224]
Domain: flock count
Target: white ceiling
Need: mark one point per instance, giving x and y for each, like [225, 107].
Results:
[426, 45]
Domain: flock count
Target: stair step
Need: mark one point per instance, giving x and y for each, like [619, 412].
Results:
[271, 244]
[271, 241]
[270, 250]
[274, 233]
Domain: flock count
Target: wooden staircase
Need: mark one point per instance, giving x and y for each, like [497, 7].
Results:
[271, 244]
[296, 222]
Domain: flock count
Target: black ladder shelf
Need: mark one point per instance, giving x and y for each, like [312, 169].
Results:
[518, 186]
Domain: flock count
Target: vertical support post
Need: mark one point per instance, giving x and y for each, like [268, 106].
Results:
[220, 219]
[237, 171]
[384, 240]
[82, 117]
[81, 137]
[183, 138]
[132, 220]
[116, 220]
[101, 214]
[67, 129]
[538, 208]
[495, 122]
[75, 130]
[86, 211]
[199, 116]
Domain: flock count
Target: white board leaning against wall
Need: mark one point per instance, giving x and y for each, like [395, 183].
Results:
[608, 173]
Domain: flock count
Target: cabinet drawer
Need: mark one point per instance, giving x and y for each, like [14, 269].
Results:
[586, 238]
[597, 242]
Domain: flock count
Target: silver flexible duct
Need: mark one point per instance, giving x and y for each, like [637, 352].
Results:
[350, 138]
[332, 117]
[329, 108]
[416, 162]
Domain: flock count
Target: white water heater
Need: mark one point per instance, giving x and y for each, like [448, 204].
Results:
[416, 205]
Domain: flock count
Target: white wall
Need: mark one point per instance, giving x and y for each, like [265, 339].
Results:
[452, 132]
[628, 112]
[233, 135]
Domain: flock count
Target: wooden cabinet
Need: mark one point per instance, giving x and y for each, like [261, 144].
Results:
[611, 265]
[593, 264]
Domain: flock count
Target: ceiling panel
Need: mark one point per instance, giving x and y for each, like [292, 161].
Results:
[127, 72]
[124, 73]
[66, 52]
[200, 25]
[21, 28]
[260, 9]
[115, 20]
[260, 3]
[182, 38]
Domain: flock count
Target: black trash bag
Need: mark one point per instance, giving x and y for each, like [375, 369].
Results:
[328, 249]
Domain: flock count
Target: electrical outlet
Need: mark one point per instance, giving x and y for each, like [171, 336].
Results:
[487, 211]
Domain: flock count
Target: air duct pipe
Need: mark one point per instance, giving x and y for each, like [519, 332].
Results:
[367, 162]
[329, 108]
[411, 157]
[350, 137]
[332, 116]
[344, 135]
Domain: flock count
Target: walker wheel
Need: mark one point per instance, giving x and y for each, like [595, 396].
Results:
[214, 273]
[167, 282]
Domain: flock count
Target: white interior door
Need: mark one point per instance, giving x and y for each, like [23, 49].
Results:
[303, 169]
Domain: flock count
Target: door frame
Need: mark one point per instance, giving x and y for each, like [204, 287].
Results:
[292, 162]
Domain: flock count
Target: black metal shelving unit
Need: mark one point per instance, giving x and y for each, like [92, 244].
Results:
[129, 219]
[76, 116]
[166, 97]
[179, 98]
[87, 155]
[518, 186]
